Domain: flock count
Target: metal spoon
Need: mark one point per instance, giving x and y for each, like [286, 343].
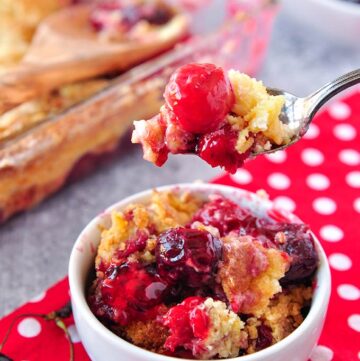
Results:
[298, 112]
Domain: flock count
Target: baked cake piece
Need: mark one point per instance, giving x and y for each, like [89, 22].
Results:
[222, 117]
[33, 112]
[201, 278]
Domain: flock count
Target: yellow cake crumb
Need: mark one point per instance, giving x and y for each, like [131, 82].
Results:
[250, 274]
[255, 112]
[225, 336]
[148, 334]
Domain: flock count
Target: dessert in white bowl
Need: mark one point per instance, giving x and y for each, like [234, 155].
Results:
[230, 316]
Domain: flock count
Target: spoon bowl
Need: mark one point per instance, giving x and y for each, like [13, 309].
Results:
[297, 113]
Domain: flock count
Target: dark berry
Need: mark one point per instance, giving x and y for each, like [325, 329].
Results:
[265, 337]
[223, 214]
[299, 244]
[219, 149]
[188, 254]
[200, 96]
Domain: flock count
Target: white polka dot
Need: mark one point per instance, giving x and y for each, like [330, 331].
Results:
[29, 327]
[357, 205]
[278, 181]
[344, 132]
[348, 292]
[359, 351]
[354, 322]
[312, 157]
[324, 205]
[73, 334]
[321, 353]
[353, 179]
[318, 181]
[277, 157]
[285, 203]
[313, 132]
[349, 157]
[331, 233]
[340, 262]
[242, 176]
[339, 110]
[38, 298]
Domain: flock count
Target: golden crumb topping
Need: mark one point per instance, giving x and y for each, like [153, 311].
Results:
[284, 314]
[256, 113]
[165, 210]
[225, 336]
[148, 334]
[250, 274]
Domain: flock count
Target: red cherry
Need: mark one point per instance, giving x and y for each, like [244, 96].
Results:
[200, 96]
[218, 149]
[188, 324]
[223, 214]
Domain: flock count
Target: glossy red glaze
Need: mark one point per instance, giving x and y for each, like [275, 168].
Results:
[223, 214]
[128, 292]
[218, 149]
[188, 255]
[200, 96]
[188, 324]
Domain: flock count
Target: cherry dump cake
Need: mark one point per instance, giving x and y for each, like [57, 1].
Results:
[201, 278]
[221, 117]
[121, 19]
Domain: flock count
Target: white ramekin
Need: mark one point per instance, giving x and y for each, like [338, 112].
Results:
[339, 19]
[103, 345]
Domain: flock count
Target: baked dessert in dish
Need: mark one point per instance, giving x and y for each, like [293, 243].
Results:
[129, 19]
[33, 112]
[38, 162]
[222, 117]
[202, 278]
[43, 141]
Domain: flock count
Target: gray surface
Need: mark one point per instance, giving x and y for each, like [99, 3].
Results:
[35, 247]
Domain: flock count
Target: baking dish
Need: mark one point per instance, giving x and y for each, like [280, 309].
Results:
[37, 161]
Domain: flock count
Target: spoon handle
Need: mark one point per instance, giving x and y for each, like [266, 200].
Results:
[317, 99]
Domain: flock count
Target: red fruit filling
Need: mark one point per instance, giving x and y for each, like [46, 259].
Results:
[200, 96]
[227, 216]
[188, 325]
[218, 149]
[188, 255]
[128, 292]
[223, 214]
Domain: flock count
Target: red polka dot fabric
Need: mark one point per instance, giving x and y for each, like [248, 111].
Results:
[319, 180]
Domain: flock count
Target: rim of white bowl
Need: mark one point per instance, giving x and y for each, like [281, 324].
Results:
[77, 290]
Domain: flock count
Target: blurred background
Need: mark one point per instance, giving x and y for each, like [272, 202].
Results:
[297, 45]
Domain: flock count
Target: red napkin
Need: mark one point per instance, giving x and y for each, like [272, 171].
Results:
[318, 179]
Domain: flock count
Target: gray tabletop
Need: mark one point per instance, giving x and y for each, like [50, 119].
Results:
[35, 246]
